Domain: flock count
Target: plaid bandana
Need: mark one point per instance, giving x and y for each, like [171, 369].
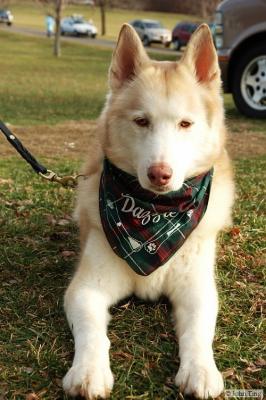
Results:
[146, 229]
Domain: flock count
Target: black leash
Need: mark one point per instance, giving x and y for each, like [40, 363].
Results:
[16, 143]
[66, 181]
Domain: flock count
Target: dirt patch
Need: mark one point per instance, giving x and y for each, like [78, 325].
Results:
[71, 140]
[246, 144]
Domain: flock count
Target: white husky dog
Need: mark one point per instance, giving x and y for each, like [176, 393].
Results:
[163, 128]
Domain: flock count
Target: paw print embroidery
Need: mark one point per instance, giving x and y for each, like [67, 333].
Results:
[189, 213]
[151, 247]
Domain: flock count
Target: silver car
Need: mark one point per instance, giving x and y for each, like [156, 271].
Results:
[78, 26]
[151, 31]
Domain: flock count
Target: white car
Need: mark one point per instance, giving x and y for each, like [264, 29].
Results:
[6, 17]
[77, 26]
[151, 31]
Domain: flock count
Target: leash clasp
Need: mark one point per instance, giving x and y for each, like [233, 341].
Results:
[66, 181]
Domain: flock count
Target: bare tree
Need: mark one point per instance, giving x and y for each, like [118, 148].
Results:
[58, 12]
[102, 5]
[203, 9]
[57, 7]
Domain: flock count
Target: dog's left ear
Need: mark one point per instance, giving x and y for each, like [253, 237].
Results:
[200, 56]
[128, 57]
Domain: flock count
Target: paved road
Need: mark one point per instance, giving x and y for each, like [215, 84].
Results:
[83, 40]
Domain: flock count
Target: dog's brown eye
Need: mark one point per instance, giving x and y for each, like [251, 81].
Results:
[185, 124]
[143, 122]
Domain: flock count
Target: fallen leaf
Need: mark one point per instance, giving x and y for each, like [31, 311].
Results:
[228, 373]
[72, 145]
[22, 212]
[260, 362]
[28, 370]
[125, 306]
[56, 236]
[122, 354]
[150, 365]
[50, 219]
[3, 181]
[58, 382]
[13, 281]
[252, 369]
[169, 381]
[241, 284]
[167, 336]
[32, 396]
[144, 372]
[235, 231]
[63, 222]
[68, 253]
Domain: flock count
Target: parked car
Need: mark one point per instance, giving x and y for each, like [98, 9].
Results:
[241, 44]
[182, 33]
[77, 26]
[151, 31]
[6, 17]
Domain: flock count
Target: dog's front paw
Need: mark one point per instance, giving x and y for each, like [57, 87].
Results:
[91, 382]
[200, 380]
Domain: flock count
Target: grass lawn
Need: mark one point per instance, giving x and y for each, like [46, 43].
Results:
[39, 247]
[38, 88]
[30, 14]
[39, 250]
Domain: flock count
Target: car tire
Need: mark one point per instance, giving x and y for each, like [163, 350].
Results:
[249, 82]
[167, 44]
[146, 41]
[9, 23]
[93, 35]
[177, 44]
[63, 33]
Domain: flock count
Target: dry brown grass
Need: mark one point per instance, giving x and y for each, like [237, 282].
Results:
[70, 140]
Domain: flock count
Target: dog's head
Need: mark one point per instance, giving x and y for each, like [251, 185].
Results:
[163, 120]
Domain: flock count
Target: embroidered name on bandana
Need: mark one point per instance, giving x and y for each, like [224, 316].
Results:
[146, 229]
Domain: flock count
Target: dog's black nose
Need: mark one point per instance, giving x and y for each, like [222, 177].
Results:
[160, 174]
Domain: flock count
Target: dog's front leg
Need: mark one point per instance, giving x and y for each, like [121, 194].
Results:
[96, 285]
[195, 307]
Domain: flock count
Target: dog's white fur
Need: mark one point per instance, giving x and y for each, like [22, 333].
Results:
[165, 93]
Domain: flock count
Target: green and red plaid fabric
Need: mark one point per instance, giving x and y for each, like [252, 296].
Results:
[146, 229]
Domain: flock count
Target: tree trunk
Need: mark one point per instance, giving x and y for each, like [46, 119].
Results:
[203, 9]
[103, 17]
[58, 10]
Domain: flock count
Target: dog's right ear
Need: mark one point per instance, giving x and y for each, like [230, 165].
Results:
[128, 57]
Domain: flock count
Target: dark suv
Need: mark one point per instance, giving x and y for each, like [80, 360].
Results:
[240, 40]
[182, 33]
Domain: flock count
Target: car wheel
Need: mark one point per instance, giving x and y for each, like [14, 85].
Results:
[177, 44]
[167, 44]
[93, 35]
[9, 23]
[62, 32]
[146, 41]
[249, 82]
